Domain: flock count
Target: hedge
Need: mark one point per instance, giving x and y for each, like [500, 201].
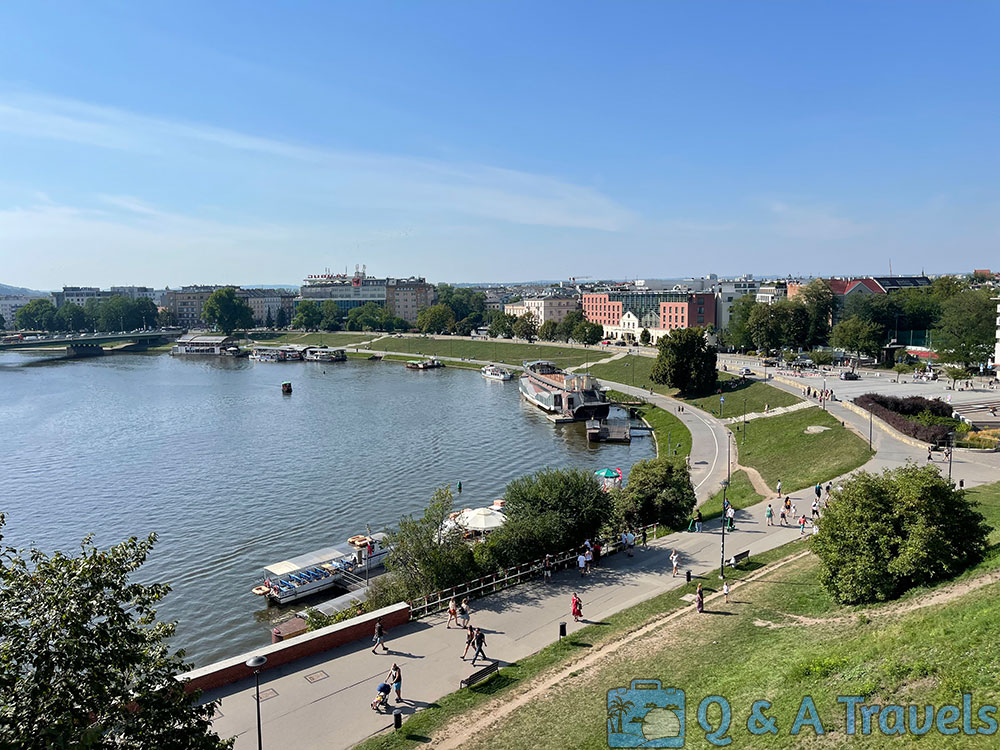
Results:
[899, 412]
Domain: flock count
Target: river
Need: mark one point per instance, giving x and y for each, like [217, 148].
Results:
[232, 475]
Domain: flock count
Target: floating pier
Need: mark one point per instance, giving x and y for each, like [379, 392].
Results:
[609, 431]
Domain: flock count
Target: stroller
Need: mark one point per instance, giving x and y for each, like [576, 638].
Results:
[382, 698]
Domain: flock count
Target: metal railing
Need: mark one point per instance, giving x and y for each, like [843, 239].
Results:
[489, 584]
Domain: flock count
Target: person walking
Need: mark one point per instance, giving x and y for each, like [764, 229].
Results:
[829, 489]
[588, 558]
[379, 638]
[452, 612]
[597, 552]
[470, 636]
[782, 517]
[819, 490]
[699, 599]
[697, 520]
[802, 525]
[815, 509]
[731, 518]
[395, 678]
[576, 607]
[624, 542]
[644, 545]
[465, 611]
[725, 590]
[630, 538]
[546, 571]
[581, 563]
[769, 515]
[779, 488]
[479, 640]
[674, 561]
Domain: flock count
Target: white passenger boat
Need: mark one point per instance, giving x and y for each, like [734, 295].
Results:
[494, 372]
[324, 354]
[564, 393]
[309, 574]
[276, 354]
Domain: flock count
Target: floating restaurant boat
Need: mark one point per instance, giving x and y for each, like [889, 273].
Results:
[317, 571]
[324, 354]
[424, 364]
[562, 393]
[494, 372]
[276, 354]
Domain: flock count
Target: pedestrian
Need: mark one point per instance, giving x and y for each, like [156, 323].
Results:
[581, 563]
[586, 543]
[802, 525]
[470, 636]
[699, 599]
[395, 678]
[588, 558]
[819, 490]
[644, 545]
[452, 612]
[379, 638]
[815, 509]
[725, 590]
[631, 542]
[731, 518]
[929, 454]
[576, 607]
[769, 515]
[624, 542]
[782, 517]
[794, 513]
[546, 571]
[697, 520]
[674, 560]
[597, 552]
[779, 488]
[829, 489]
[465, 611]
[479, 640]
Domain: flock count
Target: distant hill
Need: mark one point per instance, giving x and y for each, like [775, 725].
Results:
[21, 291]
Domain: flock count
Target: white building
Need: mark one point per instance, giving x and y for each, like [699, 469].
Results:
[996, 348]
[730, 290]
[137, 292]
[9, 305]
[545, 308]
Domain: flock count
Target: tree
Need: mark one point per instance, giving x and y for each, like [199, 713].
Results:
[548, 331]
[308, 315]
[883, 534]
[659, 490]
[70, 317]
[569, 323]
[462, 301]
[588, 333]
[281, 319]
[83, 660]
[227, 312]
[166, 319]
[645, 337]
[526, 327]
[954, 374]
[764, 327]
[857, 336]
[37, 315]
[436, 319]
[269, 319]
[502, 325]
[967, 330]
[368, 317]
[685, 361]
[3, 323]
[793, 322]
[819, 303]
[739, 318]
[901, 368]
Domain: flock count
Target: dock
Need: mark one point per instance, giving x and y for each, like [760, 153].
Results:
[609, 431]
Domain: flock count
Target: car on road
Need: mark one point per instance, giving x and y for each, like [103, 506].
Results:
[746, 371]
[769, 363]
[848, 375]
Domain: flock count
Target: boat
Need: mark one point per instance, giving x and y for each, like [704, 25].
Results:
[565, 394]
[276, 354]
[424, 364]
[305, 575]
[286, 387]
[494, 372]
[324, 354]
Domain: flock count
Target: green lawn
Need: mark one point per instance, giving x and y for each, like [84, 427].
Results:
[631, 370]
[338, 338]
[740, 494]
[928, 655]
[667, 427]
[752, 395]
[779, 448]
[502, 352]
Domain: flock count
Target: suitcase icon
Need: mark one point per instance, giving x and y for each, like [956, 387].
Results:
[645, 714]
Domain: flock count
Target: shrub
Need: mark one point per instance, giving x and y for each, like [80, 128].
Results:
[883, 534]
[911, 415]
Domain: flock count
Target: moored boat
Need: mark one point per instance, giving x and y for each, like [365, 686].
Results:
[495, 372]
[424, 364]
[567, 394]
[324, 354]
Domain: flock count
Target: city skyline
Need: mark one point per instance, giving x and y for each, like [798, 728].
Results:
[180, 144]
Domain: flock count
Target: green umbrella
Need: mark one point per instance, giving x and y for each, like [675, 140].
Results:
[607, 473]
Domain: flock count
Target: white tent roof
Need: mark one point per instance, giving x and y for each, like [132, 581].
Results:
[481, 519]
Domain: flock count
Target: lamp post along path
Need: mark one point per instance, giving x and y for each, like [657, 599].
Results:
[255, 663]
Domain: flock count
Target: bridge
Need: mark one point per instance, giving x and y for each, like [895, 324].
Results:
[89, 344]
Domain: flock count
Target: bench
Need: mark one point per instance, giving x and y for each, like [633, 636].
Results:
[738, 558]
[482, 674]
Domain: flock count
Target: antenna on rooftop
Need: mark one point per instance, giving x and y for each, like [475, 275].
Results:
[890, 266]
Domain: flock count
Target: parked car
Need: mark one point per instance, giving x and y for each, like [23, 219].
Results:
[746, 371]
[848, 375]
[769, 363]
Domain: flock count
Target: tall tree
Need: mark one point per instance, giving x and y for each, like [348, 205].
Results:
[71, 317]
[83, 661]
[739, 318]
[858, 337]
[569, 323]
[588, 333]
[37, 315]
[967, 330]
[645, 337]
[548, 331]
[166, 319]
[764, 327]
[502, 325]
[793, 322]
[436, 319]
[281, 319]
[820, 305]
[269, 319]
[308, 315]
[685, 361]
[526, 327]
[659, 490]
[224, 310]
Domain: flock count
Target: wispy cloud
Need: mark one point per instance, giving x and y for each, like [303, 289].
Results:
[811, 222]
[378, 180]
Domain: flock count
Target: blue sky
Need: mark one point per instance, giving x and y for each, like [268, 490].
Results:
[166, 143]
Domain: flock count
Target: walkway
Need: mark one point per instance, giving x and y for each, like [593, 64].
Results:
[612, 358]
[769, 413]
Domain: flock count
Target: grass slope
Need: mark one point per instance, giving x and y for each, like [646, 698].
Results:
[754, 393]
[631, 370]
[502, 352]
[338, 338]
[740, 494]
[779, 448]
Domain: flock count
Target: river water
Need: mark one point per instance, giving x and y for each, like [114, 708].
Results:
[232, 475]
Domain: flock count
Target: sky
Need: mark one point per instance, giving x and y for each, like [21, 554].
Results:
[169, 143]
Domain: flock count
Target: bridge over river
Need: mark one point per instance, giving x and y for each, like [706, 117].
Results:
[91, 344]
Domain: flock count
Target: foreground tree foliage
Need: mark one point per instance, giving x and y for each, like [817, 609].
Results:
[658, 491]
[883, 534]
[83, 661]
[685, 361]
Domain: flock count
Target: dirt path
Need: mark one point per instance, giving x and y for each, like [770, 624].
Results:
[462, 729]
[942, 596]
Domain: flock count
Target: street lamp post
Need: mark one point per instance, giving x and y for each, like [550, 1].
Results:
[871, 427]
[951, 452]
[725, 519]
[744, 420]
[255, 663]
[824, 393]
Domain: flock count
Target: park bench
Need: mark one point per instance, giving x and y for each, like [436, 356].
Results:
[482, 674]
[738, 558]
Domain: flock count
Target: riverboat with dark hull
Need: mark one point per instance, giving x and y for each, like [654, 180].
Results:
[565, 394]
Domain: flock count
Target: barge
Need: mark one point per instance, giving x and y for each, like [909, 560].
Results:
[561, 393]
[424, 364]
